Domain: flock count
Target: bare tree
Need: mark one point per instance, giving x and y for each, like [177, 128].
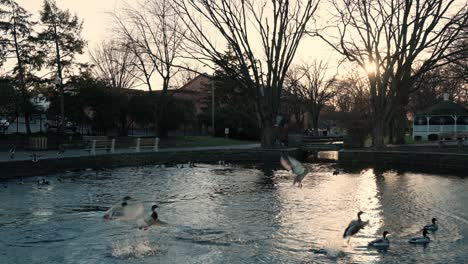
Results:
[264, 36]
[155, 33]
[115, 63]
[396, 42]
[313, 87]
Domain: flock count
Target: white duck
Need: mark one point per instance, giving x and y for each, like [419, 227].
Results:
[381, 242]
[117, 209]
[420, 240]
[293, 165]
[354, 226]
[433, 226]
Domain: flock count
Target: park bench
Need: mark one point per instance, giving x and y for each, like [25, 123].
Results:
[141, 143]
[94, 143]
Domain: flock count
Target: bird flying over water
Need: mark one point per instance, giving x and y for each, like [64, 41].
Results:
[293, 165]
[127, 208]
[354, 226]
[149, 220]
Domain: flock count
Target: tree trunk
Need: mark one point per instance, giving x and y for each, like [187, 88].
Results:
[27, 116]
[267, 135]
[315, 120]
[378, 133]
[400, 126]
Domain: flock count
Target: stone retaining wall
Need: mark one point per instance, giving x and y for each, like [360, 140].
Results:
[14, 169]
[453, 162]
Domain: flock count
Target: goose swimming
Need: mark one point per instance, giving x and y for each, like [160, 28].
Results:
[420, 240]
[433, 226]
[294, 166]
[149, 220]
[380, 242]
[355, 226]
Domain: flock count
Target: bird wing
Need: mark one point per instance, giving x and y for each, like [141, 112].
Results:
[296, 166]
[353, 227]
[285, 163]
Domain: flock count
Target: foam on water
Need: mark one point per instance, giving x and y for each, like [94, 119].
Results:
[133, 249]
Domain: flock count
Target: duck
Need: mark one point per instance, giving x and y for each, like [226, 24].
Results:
[43, 182]
[420, 240]
[150, 220]
[433, 226]
[380, 242]
[117, 209]
[336, 172]
[294, 166]
[354, 226]
[21, 182]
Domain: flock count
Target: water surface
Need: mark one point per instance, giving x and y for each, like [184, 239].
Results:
[233, 214]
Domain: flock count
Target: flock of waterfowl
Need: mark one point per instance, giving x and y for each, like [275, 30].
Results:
[300, 171]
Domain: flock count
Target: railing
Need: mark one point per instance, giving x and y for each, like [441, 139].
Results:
[109, 145]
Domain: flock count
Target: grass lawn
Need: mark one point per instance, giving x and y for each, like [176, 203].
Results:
[201, 141]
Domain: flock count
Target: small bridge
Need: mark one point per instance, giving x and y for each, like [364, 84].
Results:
[321, 143]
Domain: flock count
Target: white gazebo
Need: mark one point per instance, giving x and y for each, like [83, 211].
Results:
[445, 120]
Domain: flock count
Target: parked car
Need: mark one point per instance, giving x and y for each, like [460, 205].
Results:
[4, 124]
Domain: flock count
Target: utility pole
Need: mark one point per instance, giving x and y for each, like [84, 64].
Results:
[213, 107]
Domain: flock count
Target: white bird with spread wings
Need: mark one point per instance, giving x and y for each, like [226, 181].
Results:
[294, 166]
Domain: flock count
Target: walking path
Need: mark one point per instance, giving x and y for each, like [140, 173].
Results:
[26, 155]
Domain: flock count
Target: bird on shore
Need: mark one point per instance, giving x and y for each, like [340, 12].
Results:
[420, 240]
[34, 158]
[433, 226]
[149, 220]
[12, 151]
[380, 242]
[294, 166]
[355, 225]
[61, 150]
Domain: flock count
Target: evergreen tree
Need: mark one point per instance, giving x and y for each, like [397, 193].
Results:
[18, 43]
[61, 38]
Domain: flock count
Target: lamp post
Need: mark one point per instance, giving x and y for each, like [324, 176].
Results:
[58, 84]
[213, 108]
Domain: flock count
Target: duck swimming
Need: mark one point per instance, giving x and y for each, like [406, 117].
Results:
[433, 226]
[294, 166]
[43, 182]
[420, 240]
[150, 220]
[381, 242]
[354, 226]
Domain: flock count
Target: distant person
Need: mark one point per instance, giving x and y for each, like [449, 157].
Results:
[12, 151]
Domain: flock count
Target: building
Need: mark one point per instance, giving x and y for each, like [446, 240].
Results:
[445, 120]
[196, 90]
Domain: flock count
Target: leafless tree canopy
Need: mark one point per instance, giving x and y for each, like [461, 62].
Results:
[311, 84]
[115, 63]
[396, 41]
[264, 36]
[154, 32]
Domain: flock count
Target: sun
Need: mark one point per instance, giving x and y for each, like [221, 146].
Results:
[370, 67]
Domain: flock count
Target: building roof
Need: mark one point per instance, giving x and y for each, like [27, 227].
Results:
[445, 108]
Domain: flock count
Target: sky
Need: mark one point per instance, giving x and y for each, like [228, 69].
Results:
[98, 27]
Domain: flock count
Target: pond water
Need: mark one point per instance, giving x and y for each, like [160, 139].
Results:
[233, 214]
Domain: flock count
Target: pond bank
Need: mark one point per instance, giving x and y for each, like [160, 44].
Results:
[23, 168]
[445, 161]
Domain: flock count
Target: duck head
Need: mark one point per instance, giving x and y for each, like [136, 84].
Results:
[124, 204]
[434, 221]
[153, 208]
[385, 233]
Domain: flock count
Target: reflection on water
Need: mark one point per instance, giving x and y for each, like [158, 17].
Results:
[235, 214]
